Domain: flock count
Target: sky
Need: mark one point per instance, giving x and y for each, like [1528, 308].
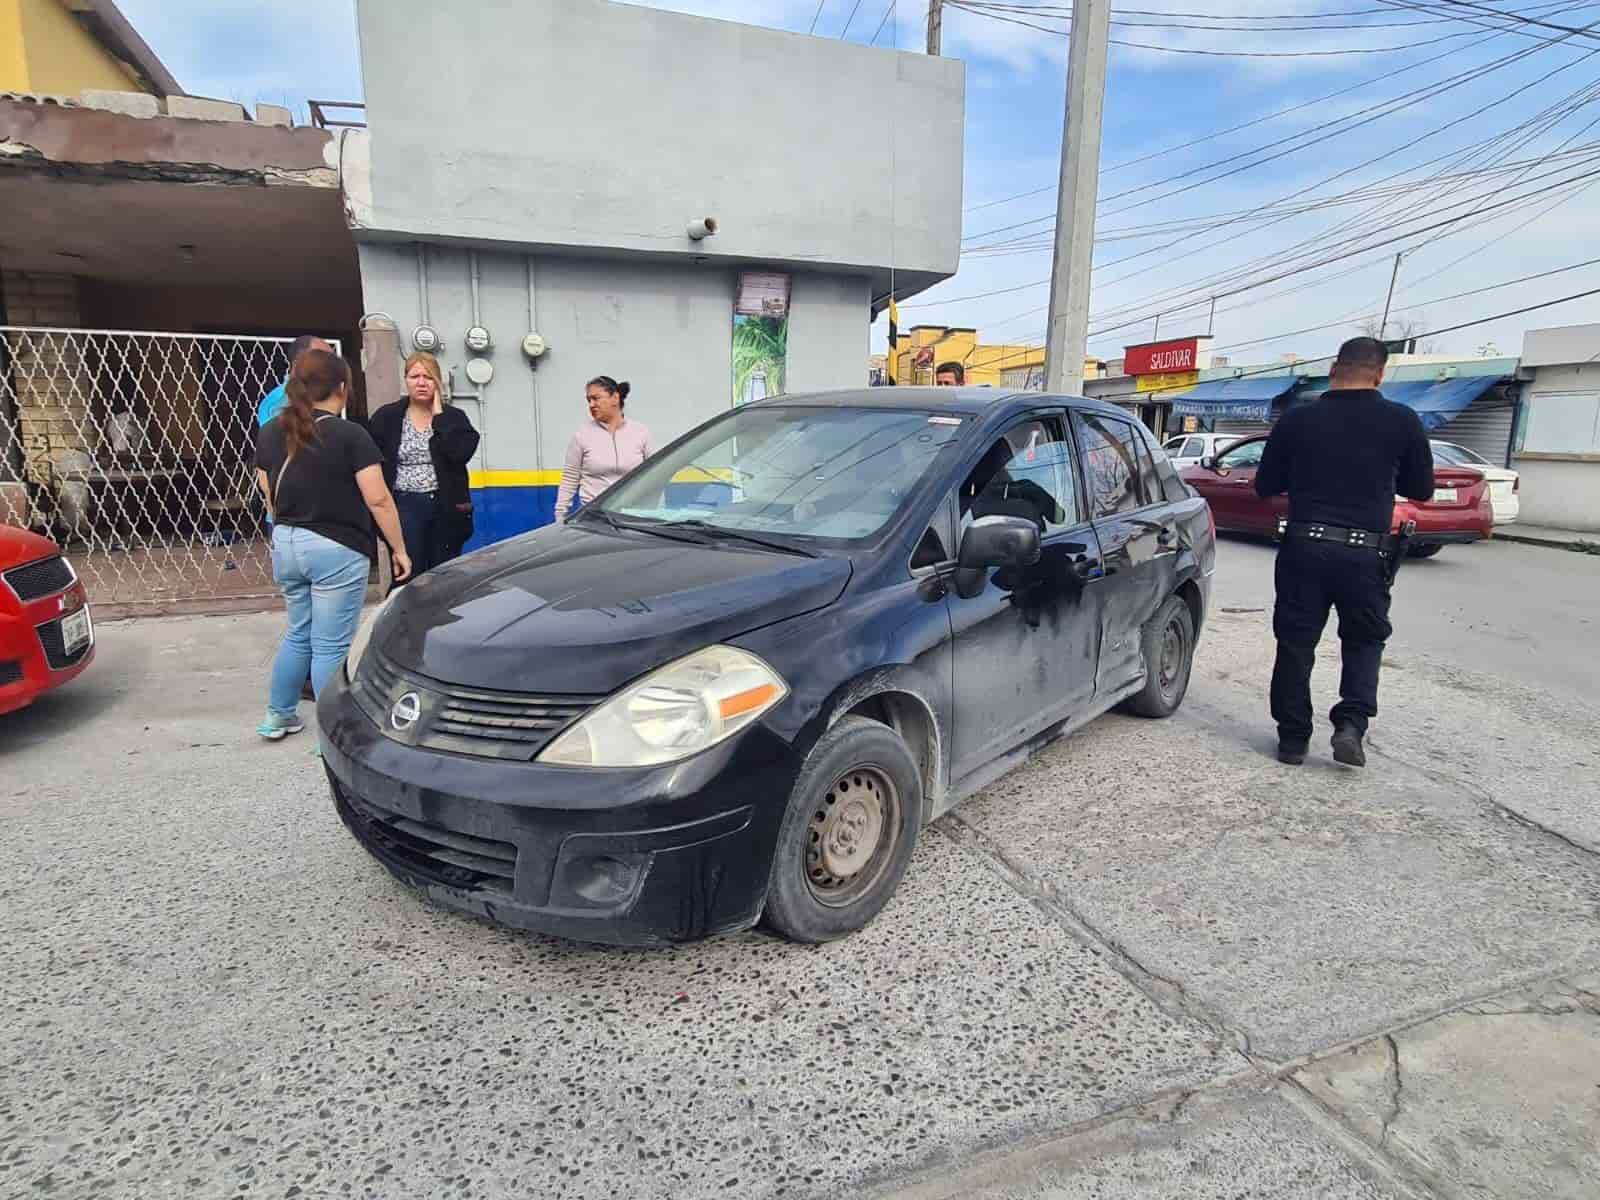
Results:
[1472, 198]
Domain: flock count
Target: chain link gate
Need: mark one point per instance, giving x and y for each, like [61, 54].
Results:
[136, 451]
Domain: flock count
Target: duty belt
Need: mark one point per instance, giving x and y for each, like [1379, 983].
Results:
[1338, 535]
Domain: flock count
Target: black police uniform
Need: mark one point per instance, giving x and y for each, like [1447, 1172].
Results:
[1341, 458]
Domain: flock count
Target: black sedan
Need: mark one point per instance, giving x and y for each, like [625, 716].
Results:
[738, 684]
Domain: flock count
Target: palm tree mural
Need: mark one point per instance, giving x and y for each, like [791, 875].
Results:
[760, 354]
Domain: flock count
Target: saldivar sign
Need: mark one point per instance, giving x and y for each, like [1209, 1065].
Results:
[1165, 358]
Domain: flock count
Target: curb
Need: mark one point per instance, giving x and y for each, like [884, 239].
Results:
[1532, 540]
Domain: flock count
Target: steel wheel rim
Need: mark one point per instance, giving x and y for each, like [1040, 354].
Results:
[851, 835]
[1171, 657]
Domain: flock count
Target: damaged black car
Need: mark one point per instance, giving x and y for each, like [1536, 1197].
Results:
[736, 687]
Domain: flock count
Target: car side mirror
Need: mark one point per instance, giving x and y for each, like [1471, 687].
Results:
[994, 542]
[1209, 462]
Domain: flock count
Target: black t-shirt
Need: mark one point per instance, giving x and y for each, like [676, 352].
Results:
[1343, 456]
[318, 490]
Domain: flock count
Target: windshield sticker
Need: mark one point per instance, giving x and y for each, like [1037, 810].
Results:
[944, 420]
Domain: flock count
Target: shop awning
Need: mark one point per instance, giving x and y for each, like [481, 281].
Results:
[1437, 401]
[1248, 398]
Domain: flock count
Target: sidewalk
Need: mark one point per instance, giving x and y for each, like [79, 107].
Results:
[1545, 535]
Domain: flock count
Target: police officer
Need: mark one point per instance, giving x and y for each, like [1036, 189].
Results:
[1341, 458]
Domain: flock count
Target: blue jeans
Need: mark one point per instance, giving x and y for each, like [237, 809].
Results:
[323, 585]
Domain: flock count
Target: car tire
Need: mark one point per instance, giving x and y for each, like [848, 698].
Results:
[859, 782]
[1168, 648]
[1422, 551]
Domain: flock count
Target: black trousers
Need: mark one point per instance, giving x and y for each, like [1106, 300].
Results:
[431, 532]
[1311, 577]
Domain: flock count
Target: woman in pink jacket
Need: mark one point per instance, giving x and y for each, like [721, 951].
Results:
[603, 450]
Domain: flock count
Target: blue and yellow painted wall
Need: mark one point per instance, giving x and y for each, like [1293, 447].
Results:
[506, 503]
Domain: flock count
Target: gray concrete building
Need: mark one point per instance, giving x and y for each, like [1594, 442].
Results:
[556, 168]
[1558, 444]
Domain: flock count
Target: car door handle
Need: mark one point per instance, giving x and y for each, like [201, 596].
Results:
[1086, 567]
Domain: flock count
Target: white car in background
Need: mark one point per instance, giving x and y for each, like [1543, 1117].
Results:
[1504, 484]
[1187, 449]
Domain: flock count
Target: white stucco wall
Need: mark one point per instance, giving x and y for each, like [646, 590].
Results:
[1560, 458]
[587, 124]
[666, 328]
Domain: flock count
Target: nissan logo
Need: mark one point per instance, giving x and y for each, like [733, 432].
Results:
[405, 712]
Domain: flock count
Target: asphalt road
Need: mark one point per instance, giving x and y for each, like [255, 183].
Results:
[1152, 962]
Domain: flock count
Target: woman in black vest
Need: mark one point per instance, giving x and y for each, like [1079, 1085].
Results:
[426, 446]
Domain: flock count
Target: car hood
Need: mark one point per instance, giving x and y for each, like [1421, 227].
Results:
[18, 546]
[581, 612]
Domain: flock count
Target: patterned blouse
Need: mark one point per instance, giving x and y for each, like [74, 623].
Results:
[414, 471]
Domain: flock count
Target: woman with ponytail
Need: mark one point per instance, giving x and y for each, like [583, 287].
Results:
[605, 448]
[322, 477]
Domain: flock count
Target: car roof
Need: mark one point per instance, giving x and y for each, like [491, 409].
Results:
[967, 401]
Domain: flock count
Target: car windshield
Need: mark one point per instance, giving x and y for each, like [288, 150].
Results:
[1457, 456]
[832, 474]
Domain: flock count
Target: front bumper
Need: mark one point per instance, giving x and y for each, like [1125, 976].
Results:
[631, 857]
[32, 654]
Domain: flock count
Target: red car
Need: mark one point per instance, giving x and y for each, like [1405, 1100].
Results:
[46, 633]
[1460, 510]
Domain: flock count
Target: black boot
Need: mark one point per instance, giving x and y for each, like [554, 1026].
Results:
[1292, 753]
[1347, 746]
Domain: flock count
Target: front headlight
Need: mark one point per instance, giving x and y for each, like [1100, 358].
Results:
[358, 644]
[681, 709]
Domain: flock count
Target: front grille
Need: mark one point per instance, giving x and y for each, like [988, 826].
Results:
[55, 646]
[43, 578]
[10, 671]
[459, 860]
[475, 721]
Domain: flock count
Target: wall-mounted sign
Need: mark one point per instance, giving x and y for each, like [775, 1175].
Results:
[762, 294]
[1156, 358]
[1167, 381]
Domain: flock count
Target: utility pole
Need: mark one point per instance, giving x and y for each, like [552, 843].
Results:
[1389, 299]
[1080, 180]
[935, 25]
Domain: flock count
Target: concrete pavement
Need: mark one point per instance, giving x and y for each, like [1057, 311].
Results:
[1153, 962]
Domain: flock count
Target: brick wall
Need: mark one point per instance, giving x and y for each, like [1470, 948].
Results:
[51, 383]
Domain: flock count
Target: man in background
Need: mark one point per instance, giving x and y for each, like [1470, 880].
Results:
[274, 400]
[950, 374]
[1341, 458]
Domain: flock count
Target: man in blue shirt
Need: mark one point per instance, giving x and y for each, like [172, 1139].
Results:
[274, 400]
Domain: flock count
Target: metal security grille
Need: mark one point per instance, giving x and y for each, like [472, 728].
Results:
[136, 452]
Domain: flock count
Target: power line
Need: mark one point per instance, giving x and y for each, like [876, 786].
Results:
[1409, 99]
[1321, 183]
[994, 16]
[1559, 5]
[1515, 312]
[887, 13]
[851, 21]
[817, 16]
[1311, 266]
[1205, 287]
[1478, 291]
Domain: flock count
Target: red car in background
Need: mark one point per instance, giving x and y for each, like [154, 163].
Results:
[46, 633]
[1459, 512]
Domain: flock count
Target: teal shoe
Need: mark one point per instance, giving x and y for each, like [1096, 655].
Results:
[277, 726]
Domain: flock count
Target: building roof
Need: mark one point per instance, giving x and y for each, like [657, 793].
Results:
[104, 22]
